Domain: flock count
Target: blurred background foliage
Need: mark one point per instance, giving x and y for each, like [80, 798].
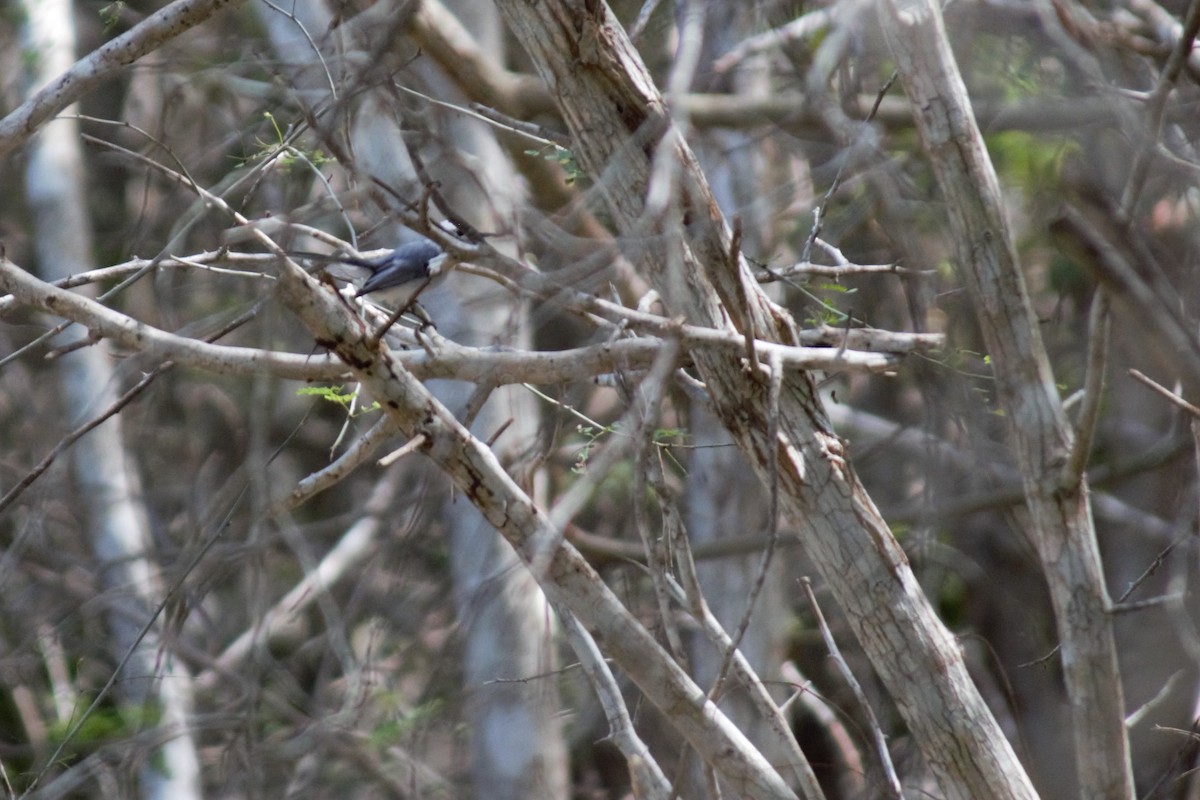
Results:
[927, 441]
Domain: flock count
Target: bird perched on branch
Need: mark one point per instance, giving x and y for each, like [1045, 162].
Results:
[398, 277]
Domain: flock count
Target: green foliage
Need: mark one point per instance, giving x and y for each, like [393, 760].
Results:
[592, 437]
[1067, 277]
[105, 724]
[1012, 68]
[826, 312]
[30, 58]
[663, 438]
[110, 14]
[953, 600]
[291, 155]
[102, 725]
[394, 730]
[1012, 71]
[15, 14]
[565, 158]
[338, 395]
[1032, 162]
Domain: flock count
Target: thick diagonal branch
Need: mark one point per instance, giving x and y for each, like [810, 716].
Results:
[1060, 516]
[620, 125]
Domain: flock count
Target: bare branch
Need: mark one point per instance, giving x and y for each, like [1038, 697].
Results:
[618, 120]
[648, 778]
[351, 550]
[877, 736]
[1163, 391]
[568, 579]
[687, 593]
[1061, 519]
[1093, 390]
[92, 70]
[1140, 295]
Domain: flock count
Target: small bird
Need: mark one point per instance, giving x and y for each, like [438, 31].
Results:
[397, 278]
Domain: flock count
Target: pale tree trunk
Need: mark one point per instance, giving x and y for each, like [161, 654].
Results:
[154, 688]
[618, 121]
[517, 746]
[724, 497]
[1060, 515]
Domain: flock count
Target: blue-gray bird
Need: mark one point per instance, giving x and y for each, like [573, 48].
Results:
[397, 277]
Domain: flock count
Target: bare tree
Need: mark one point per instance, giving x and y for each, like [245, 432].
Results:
[768, 431]
[154, 689]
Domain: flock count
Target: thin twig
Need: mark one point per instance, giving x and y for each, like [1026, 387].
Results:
[104, 62]
[775, 377]
[1099, 323]
[530, 130]
[892, 781]
[688, 593]
[1150, 602]
[120, 403]
[313, 45]
[1150, 570]
[1155, 113]
[818, 212]
[837, 271]
[649, 780]
[1166, 393]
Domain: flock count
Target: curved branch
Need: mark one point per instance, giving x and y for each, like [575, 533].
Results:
[567, 578]
[447, 360]
[1061, 526]
[101, 64]
[621, 124]
[138, 336]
